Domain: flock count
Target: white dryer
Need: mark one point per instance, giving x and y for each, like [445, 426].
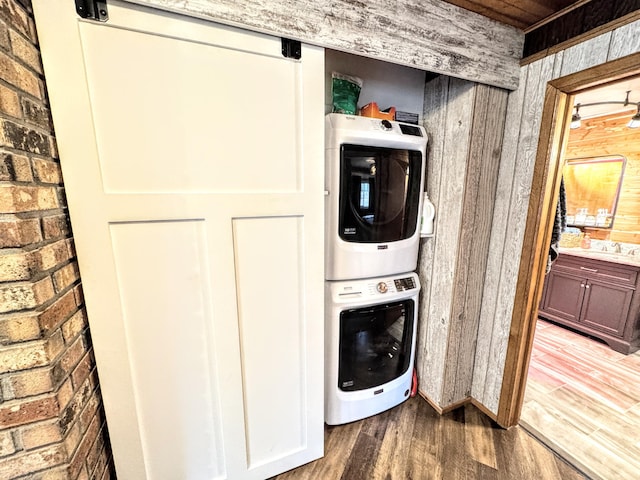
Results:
[374, 177]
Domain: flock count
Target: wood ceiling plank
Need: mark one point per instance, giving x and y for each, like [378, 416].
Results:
[520, 14]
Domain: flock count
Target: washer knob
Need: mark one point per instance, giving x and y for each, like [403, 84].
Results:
[386, 125]
[382, 287]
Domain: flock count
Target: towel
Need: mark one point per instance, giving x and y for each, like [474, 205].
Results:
[559, 225]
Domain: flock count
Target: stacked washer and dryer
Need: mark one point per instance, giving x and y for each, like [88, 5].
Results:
[375, 178]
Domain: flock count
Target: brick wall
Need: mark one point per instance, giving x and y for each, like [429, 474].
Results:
[51, 420]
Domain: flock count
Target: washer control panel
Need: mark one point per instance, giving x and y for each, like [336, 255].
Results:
[375, 287]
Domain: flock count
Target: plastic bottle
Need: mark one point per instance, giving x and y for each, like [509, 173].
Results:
[428, 213]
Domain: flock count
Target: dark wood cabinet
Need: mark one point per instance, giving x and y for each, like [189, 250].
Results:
[596, 297]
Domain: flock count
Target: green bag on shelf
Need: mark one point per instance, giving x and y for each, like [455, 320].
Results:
[345, 90]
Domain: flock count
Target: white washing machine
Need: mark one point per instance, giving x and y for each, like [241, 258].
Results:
[370, 334]
[374, 177]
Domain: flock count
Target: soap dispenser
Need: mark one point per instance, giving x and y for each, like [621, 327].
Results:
[428, 214]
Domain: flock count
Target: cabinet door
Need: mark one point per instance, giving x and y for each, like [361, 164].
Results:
[192, 154]
[563, 296]
[606, 307]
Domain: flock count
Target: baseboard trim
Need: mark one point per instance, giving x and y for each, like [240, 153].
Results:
[449, 408]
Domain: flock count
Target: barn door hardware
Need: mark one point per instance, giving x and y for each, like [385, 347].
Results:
[291, 48]
[93, 9]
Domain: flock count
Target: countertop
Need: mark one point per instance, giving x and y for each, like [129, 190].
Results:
[633, 260]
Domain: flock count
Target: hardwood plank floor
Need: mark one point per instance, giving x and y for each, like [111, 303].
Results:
[583, 401]
[413, 442]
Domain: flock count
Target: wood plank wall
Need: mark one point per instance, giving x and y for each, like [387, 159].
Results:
[609, 135]
[431, 35]
[524, 112]
[465, 121]
[448, 109]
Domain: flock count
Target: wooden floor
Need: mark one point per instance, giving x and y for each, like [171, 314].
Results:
[413, 442]
[583, 400]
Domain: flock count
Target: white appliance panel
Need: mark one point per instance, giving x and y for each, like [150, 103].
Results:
[354, 259]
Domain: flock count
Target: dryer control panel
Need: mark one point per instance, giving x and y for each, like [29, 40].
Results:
[391, 285]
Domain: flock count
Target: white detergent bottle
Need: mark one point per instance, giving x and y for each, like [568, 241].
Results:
[428, 214]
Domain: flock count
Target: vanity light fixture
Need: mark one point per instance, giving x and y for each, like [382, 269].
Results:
[633, 123]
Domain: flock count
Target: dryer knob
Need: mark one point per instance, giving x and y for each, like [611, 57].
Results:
[382, 287]
[386, 125]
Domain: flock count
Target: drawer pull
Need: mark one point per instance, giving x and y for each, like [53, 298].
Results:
[594, 270]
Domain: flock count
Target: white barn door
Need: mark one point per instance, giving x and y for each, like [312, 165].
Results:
[192, 156]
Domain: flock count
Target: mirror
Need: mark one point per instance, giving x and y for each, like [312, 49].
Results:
[592, 187]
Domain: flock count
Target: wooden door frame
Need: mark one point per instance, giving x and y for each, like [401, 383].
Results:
[545, 185]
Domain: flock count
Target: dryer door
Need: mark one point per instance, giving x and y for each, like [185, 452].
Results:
[375, 344]
[379, 193]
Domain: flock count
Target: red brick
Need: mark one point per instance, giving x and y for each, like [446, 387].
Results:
[21, 296]
[77, 291]
[82, 370]
[9, 101]
[12, 72]
[19, 328]
[97, 449]
[47, 171]
[55, 473]
[23, 356]
[7, 447]
[72, 411]
[24, 138]
[19, 198]
[91, 411]
[57, 312]
[55, 226]
[79, 457]
[54, 345]
[74, 326]
[4, 36]
[72, 439]
[15, 16]
[22, 412]
[72, 356]
[65, 394]
[16, 265]
[25, 51]
[15, 168]
[53, 146]
[30, 383]
[66, 276]
[39, 434]
[33, 461]
[53, 254]
[34, 112]
[17, 232]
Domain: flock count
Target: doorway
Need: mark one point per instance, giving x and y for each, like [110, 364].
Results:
[555, 118]
[580, 390]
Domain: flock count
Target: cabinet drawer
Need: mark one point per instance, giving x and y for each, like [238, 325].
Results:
[597, 269]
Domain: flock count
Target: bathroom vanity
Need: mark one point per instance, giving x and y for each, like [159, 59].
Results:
[597, 293]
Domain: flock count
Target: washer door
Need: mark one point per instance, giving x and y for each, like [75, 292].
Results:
[375, 344]
[379, 193]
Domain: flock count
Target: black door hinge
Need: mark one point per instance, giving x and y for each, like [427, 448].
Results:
[291, 48]
[93, 9]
